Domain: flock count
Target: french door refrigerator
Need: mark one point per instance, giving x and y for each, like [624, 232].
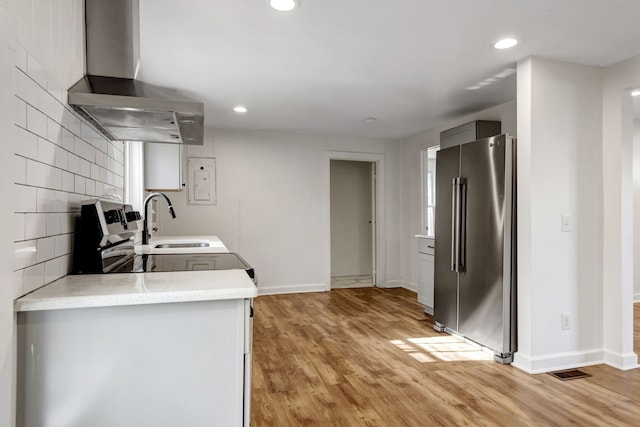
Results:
[475, 277]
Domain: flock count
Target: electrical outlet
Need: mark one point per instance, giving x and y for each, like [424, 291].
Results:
[565, 321]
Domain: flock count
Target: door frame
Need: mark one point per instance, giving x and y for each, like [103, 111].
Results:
[380, 218]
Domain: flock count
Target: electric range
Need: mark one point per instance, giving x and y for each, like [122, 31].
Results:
[104, 243]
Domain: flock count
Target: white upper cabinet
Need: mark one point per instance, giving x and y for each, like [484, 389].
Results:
[162, 167]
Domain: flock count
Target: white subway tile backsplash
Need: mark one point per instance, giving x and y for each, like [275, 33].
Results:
[75, 201]
[33, 277]
[46, 249]
[36, 173]
[62, 245]
[54, 131]
[118, 155]
[36, 121]
[80, 185]
[74, 163]
[99, 188]
[19, 169]
[25, 198]
[49, 105]
[26, 143]
[68, 140]
[56, 268]
[85, 168]
[24, 254]
[54, 178]
[100, 159]
[85, 150]
[46, 200]
[95, 171]
[19, 227]
[68, 223]
[45, 151]
[59, 159]
[21, 57]
[54, 224]
[18, 284]
[26, 88]
[34, 68]
[90, 187]
[88, 134]
[68, 181]
[72, 123]
[20, 112]
[35, 225]
[61, 201]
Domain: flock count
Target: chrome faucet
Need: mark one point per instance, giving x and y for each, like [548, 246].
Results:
[145, 225]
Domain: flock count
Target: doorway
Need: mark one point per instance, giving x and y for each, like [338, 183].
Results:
[353, 223]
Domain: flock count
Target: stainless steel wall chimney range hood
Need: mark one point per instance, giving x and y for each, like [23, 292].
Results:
[109, 96]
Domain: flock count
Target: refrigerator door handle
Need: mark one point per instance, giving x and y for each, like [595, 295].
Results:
[462, 226]
[454, 224]
[458, 222]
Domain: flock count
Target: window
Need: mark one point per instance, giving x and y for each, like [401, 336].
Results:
[429, 191]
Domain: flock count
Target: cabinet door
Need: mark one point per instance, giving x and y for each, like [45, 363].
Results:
[425, 279]
[162, 167]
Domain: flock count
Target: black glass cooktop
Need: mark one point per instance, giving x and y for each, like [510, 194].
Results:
[184, 262]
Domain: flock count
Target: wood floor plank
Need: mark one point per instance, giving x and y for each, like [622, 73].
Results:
[370, 357]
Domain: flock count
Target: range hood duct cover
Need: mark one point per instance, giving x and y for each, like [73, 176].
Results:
[110, 97]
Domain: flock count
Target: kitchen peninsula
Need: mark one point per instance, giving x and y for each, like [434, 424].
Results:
[160, 348]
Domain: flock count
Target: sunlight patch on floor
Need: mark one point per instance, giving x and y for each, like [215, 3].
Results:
[446, 348]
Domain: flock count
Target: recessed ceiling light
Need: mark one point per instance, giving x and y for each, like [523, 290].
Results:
[369, 120]
[505, 43]
[284, 5]
[635, 93]
[240, 109]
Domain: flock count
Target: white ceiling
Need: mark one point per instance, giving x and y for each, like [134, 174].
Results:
[332, 63]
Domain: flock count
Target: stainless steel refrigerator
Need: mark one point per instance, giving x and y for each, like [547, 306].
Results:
[475, 258]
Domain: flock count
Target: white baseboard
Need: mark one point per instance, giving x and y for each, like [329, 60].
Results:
[621, 361]
[400, 284]
[636, 297]
[292, 289]
[321, 287]
[559, 361]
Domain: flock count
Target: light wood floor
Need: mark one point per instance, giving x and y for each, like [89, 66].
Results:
[369, 357]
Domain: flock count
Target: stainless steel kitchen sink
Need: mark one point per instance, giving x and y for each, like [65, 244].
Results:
[182, 245]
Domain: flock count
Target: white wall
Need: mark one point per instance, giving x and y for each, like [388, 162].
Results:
[559, 172]
[617, 242]
[636, 207]
[411, 197]
[53, 159]
[272, 205]
[7, 317]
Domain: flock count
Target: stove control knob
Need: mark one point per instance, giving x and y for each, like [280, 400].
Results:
[133, 216]
[112, 216]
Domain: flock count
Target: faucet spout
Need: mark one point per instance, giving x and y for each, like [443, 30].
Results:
[145, 222]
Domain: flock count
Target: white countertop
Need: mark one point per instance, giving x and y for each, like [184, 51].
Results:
[423, 236]
[102, 290]
[215, 245]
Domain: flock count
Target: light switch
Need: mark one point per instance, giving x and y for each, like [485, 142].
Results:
[565, 220]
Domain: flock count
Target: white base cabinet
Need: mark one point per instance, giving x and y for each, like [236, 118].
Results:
[426, 264]
[172, 364]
